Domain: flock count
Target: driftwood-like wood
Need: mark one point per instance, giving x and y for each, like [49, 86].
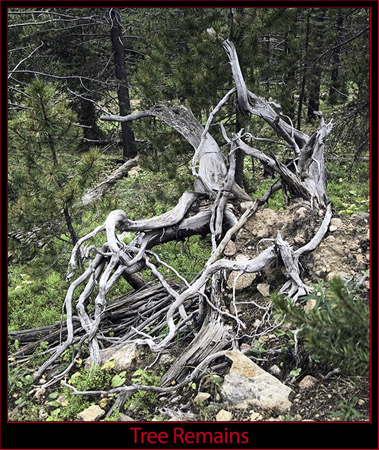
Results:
[194, 307]
[309, 179]
[100, 189]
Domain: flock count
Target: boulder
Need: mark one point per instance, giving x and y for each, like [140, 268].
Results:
[249, 385]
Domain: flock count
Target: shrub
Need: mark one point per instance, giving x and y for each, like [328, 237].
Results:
[337, 330]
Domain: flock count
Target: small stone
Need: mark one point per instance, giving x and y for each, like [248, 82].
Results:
[125, 418]
[91, 414]
[40, 393]
[201, 397]
[230, 249]
[343, 275]
[361, 402]
[307, 382]
[335, 223]
[275, 370]
[224, 416]
[264, 289]
[302, 212]
[245, 347]
[255, 416]
[311, 303]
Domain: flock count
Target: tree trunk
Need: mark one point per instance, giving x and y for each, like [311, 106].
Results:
[335, 76]
[314, 80]
[128, 142]
[303, 78]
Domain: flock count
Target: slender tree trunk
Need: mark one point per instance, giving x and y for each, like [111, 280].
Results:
[314, 94]
[335, 82]
[128, 144]
[67, 217]
[316, 74]
[302, 88]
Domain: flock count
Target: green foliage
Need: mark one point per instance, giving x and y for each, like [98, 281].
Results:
[85, 380]
[349, 188]
[34, 301]
[187, 257]
[347, 411]
[19, 383]
[337, 330]
[142, 400]
[47, 175]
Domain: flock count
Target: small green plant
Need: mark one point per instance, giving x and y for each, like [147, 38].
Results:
[142, 401]
[87, 379]
[19, 384]
[347, 410]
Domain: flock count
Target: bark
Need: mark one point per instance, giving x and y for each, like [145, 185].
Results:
[128, 144]
[212, 170]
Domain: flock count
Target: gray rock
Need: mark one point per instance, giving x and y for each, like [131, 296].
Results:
[255, 416]
[264, 289]
[335, 224]
[310, 304]
[275, 370]
[91, 414]
[230, 249]
[248, 385]
[123, 356]
[201, 397]
[307, 382]
[125, 418]
[245, 280]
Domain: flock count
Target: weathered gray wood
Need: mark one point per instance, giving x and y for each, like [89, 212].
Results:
[100, 189]
[212, 170]
[310, 180]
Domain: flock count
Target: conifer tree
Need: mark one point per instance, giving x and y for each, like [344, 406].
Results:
[46, 173]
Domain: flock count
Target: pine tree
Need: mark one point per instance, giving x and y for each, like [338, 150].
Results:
[337, 330]
[46, 173]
